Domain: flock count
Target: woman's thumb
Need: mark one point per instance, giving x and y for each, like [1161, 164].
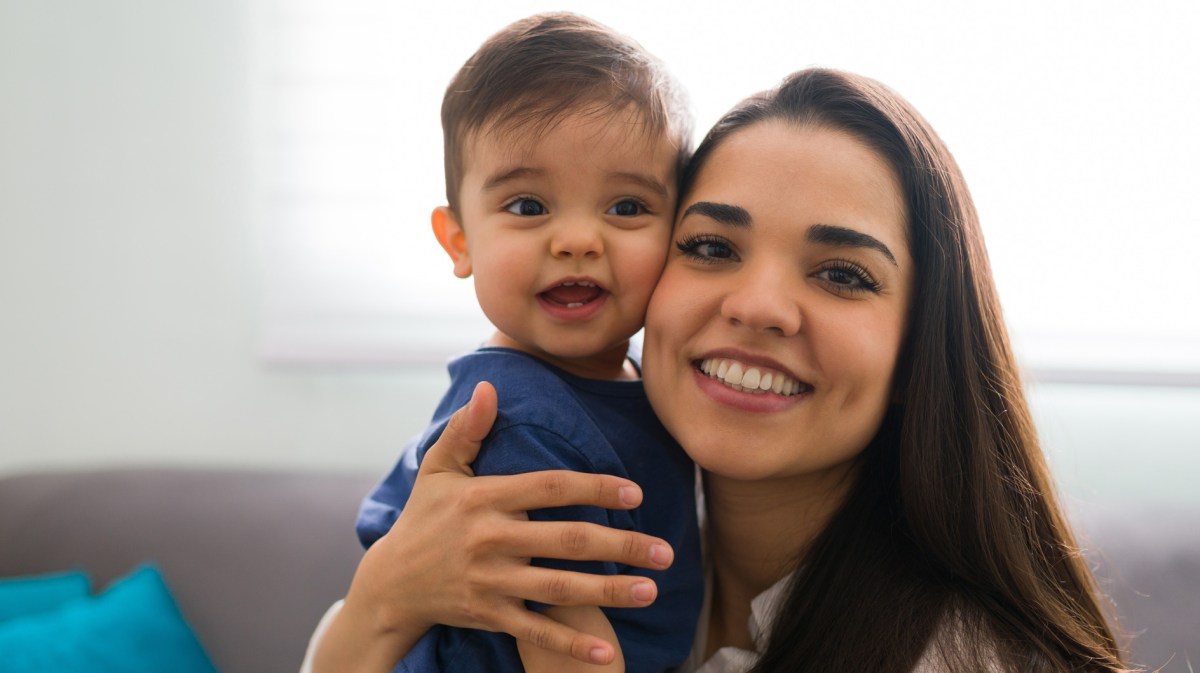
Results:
[459, 444]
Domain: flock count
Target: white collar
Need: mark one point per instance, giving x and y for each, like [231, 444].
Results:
[763, 610]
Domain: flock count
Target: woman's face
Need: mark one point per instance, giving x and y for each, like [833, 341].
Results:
[791, 275]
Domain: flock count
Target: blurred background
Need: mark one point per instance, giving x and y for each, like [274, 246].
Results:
[214, 243]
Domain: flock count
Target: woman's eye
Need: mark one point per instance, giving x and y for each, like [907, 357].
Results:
[709, 249]
[849, 278]
[843, 277]
[526, 208]
[627, 208]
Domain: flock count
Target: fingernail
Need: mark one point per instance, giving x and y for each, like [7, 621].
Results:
[598, 655]
[643, 592]
[628, 495]
[660, 554]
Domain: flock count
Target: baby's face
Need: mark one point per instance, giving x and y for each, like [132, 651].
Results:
[567, 233]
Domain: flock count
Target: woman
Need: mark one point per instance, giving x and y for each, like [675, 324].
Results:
[827, 345]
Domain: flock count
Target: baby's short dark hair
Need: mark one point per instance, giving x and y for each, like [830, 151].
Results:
[538, 70]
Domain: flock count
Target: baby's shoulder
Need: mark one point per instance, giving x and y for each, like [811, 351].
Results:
[518, 378]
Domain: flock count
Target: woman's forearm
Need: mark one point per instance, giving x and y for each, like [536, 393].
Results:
[354, 640]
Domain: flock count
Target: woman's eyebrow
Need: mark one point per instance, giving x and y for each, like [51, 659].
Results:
[721, 212]
[828, 234]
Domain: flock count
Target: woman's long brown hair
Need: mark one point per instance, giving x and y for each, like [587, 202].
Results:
[951, 542]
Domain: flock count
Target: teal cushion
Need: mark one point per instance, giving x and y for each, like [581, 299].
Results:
[21, 596]
[134, 626]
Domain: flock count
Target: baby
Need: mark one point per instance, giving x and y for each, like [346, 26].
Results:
[564, 143]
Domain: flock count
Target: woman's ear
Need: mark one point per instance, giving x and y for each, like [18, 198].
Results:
[450, 234]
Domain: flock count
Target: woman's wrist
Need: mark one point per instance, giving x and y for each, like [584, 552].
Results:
[386, 612]
[366, 638]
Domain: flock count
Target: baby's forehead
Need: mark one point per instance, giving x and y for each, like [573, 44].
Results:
[520, 130]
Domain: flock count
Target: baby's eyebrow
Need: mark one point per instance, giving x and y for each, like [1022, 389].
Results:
[513, 174]
[734, 216]
[645, 181]
[829, 234]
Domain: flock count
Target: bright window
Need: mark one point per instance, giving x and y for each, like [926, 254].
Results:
[1073, 123]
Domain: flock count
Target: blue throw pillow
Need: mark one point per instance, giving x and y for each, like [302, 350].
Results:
[21, 596]
[133, 627]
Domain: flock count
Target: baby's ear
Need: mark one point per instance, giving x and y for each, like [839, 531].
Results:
[450, 234]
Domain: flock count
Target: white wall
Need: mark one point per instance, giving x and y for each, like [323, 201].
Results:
[129, 276]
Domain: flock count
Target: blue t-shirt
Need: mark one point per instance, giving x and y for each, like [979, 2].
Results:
[549, 419]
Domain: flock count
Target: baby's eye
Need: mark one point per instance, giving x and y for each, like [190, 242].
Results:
[708, 249]
[526, 207]
[627, 208]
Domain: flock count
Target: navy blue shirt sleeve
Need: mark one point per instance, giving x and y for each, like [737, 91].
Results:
[381, 508]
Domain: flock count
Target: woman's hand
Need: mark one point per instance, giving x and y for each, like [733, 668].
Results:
[459, 555]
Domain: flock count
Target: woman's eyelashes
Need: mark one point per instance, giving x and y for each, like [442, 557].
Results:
[706, 248]
[846, 277]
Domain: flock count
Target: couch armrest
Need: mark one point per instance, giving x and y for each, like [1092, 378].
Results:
[254, 558]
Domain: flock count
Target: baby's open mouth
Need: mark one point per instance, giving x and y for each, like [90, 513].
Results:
[573, 294]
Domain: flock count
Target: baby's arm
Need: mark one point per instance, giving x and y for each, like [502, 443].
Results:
[585, 619]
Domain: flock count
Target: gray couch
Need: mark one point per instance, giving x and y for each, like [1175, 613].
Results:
[254, 558]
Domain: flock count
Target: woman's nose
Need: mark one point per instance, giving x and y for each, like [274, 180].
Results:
[576, 238]
[764, 301]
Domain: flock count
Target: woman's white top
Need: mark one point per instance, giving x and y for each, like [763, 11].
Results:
[318, 633]
[763, 609]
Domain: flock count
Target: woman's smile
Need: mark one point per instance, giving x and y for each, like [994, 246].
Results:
[748, 378]
[749, 383]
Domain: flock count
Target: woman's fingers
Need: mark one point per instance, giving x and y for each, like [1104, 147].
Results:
[546, 633]
[480, 577]
[563, 587]
[560, 488]
[579, 541]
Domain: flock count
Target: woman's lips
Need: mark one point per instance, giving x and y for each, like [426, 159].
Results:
[715, 378]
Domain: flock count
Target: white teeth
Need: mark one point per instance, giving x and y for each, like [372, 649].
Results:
[735, 374]
[750, 379]
[582, 283]
[575, 304]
